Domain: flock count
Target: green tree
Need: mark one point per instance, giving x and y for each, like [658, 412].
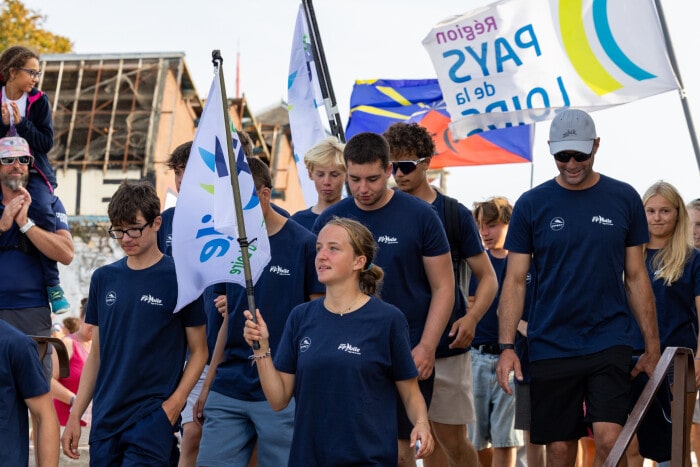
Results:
[22, 26]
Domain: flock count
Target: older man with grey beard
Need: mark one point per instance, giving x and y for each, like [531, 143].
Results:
[23, 300]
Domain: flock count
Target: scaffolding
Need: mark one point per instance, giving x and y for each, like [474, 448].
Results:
[107, 107]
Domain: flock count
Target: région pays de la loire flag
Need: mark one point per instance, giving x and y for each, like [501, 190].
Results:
[303, 95]
[521, 61]
[205, 228]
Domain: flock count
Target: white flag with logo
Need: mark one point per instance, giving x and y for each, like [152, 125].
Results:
[519, 61]
[304, 98]
[205, 228]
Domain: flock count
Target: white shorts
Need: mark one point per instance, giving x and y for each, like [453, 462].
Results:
[453, 397]
[187, 412]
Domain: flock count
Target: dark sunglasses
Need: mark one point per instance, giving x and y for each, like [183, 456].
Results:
[406, 166]
[565, 156]
[23, 160]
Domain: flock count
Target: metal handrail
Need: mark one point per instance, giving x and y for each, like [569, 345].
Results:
[683, 392]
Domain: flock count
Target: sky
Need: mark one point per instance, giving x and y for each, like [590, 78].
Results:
[641, 142]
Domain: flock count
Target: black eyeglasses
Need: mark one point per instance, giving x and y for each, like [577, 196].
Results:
[565, 156]
[23, 160]
[406, 166]
[134, 232]
[32, 73]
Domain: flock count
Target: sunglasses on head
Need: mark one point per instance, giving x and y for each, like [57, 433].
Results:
[406, 166]
[565, 156]
[23, 160]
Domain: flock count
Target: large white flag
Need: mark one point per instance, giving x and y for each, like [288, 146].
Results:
[304, 98]
[519, 61]
[205, 229]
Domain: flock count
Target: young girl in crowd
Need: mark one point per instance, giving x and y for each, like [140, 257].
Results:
[63, 390]
[673, 265]
[343, 357]
[26, 113]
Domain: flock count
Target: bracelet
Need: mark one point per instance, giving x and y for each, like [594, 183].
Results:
[25, 228]
[72, 399]
[254, 358]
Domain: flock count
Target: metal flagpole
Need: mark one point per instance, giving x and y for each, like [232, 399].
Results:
[681, 92]
[322, 72]
[217, 60]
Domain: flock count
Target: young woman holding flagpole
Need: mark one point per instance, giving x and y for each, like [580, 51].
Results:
[348, 418]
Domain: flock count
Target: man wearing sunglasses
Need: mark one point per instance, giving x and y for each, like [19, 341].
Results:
[584, 232]
[452, 405]
[413, 251]
[23, 299]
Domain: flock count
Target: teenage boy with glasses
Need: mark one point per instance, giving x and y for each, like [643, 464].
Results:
[413, 251]
[584, 233]
[452, 405]
[135, 366]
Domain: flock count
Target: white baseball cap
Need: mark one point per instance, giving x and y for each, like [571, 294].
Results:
[572, 130]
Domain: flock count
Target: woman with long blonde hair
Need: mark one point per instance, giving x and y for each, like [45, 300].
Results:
[673, 265]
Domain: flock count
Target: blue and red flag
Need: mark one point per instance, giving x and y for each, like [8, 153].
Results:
[377, 104]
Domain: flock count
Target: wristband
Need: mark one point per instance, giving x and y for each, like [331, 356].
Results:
[25, 228]
[72, 399]
[254, 358]
[502, 347]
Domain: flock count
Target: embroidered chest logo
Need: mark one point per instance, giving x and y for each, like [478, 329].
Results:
[279, 270]
[387, 239]
[151, 300]
[556, 224]
[304, 344]
[348, 348]
[602, 220]
[110, 298]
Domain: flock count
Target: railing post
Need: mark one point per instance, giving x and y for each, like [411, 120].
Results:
[682, 406]
[681, 410]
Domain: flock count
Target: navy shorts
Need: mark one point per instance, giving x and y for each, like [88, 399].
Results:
[560, 386]
[149, 443]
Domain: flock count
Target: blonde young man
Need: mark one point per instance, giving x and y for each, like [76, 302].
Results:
[326, 167]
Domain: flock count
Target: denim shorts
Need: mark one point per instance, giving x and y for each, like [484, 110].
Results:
[495, 410]
[232, 427]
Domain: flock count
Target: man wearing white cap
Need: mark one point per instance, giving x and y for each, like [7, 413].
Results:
[23, 299]
[584, 233]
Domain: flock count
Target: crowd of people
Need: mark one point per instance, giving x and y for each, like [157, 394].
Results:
[392, 325]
